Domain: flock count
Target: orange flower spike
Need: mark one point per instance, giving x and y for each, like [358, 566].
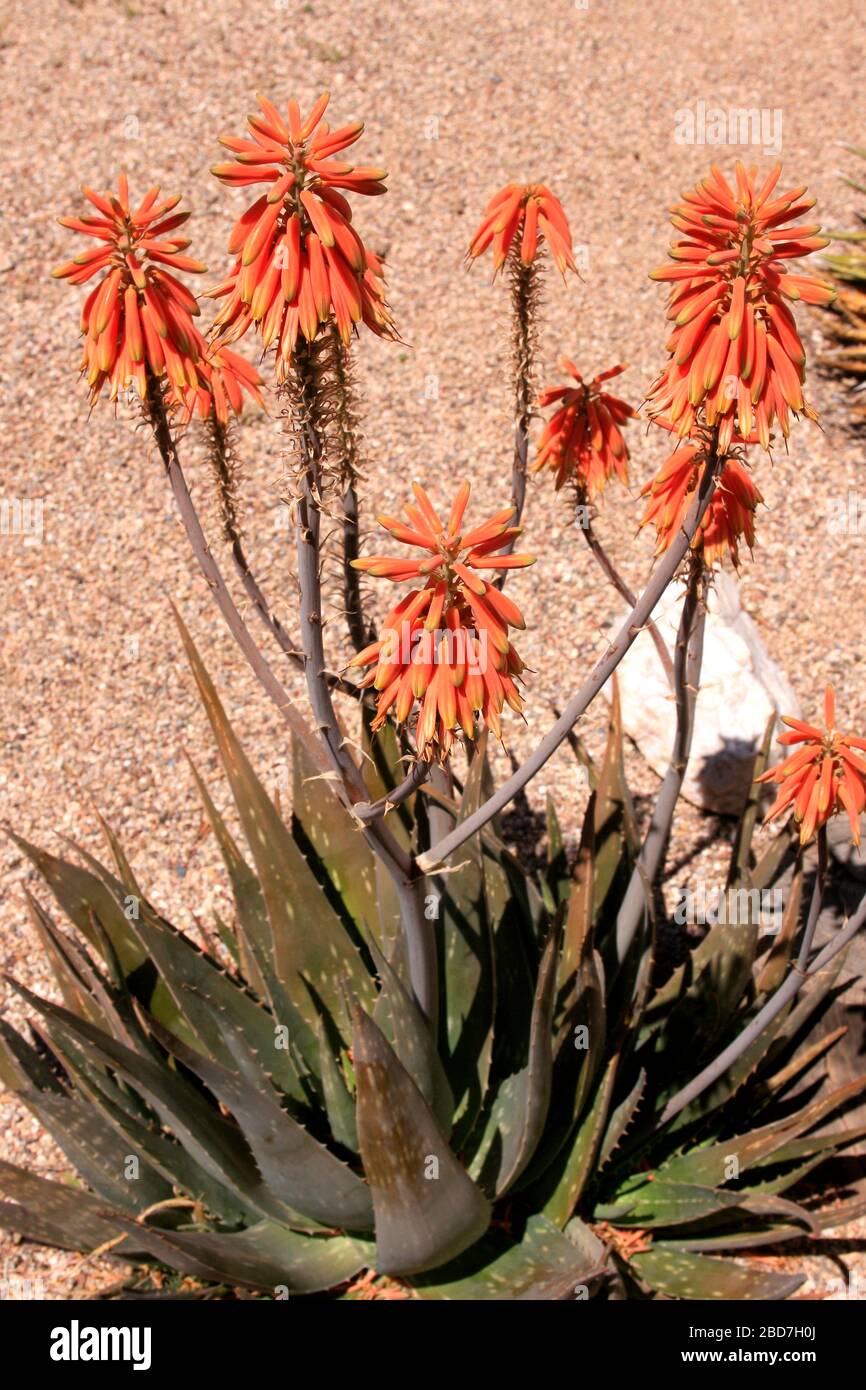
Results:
[521, 218]
[448, 644]
[582, 442]
[729, 283]
[300, 261]
[134, 248]
[823, 777]
[729, 517]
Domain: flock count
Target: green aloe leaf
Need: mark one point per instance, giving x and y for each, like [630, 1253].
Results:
[713, 1164]
[577, 1162]
[616, 839]
[212, 1141]
[681, 1274]
[541, 1264]
[299, 1174]
[408, 1032]
[739, 872]
[334, 836]
[313, 965]
[21, 1066]
[254, 944]
[428, 1210]
[519, 1111]
[466, 965]
[339, 1102]
[97, 1153]
[83, 896]
[659, 1203]
[266, 1256]
[205, 996]
[54, 1213]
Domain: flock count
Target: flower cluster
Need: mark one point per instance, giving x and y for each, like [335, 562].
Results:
[735, 350]
[299, 258]
[138, 319]
[519, 216]
[582, 441]
[729, 516]
[446, 644]
[824, 776]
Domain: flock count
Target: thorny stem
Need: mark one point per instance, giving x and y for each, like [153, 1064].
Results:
[307, 414]
[601, 672]
[616, 579]
[158, 418]
[220, 458]
[524, 303]
[345, 426]
[369, 811]
[687, 674]
[797, 977]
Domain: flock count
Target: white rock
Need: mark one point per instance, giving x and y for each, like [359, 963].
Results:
[740, 688]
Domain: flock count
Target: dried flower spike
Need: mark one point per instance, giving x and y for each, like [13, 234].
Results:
[523, 216]
[300, 261]
[735, 349]
[446, 644]
[823, 777]
[582, 441]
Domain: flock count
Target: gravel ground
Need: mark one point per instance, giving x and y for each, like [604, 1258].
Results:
[98, 707]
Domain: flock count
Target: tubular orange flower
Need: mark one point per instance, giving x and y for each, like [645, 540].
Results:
[730, 515]
[139, 316]
[299, 258]
[734, 348]
[223, 378]
[823, 777]
[521, 216]
[446, 644]
[582, 441]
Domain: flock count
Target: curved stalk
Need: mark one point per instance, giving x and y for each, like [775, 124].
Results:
[608, 568]
[687, 674]
[158, 418]
[601, 672]
[231, 532]
[799, 973]
[307, 408]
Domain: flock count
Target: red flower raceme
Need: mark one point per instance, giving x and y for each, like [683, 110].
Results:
[582, 441]
[300, 261]
[223, 377]
[730, 515]
[139, 316]
[522, 216]
[735, 349]
[824, 776]
[445, 645]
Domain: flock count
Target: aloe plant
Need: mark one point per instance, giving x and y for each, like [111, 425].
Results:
[273, 1113]
[406, 1067]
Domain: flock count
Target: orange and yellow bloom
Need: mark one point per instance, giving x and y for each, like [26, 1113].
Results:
[729, 517]
[825, 775]
[138, 320]
[522, 216]
[582, 441]
[445, 645]
[139, 316]
[300, 261]
[735, 350]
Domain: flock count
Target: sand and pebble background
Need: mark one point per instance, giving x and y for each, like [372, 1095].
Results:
[97, 707]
